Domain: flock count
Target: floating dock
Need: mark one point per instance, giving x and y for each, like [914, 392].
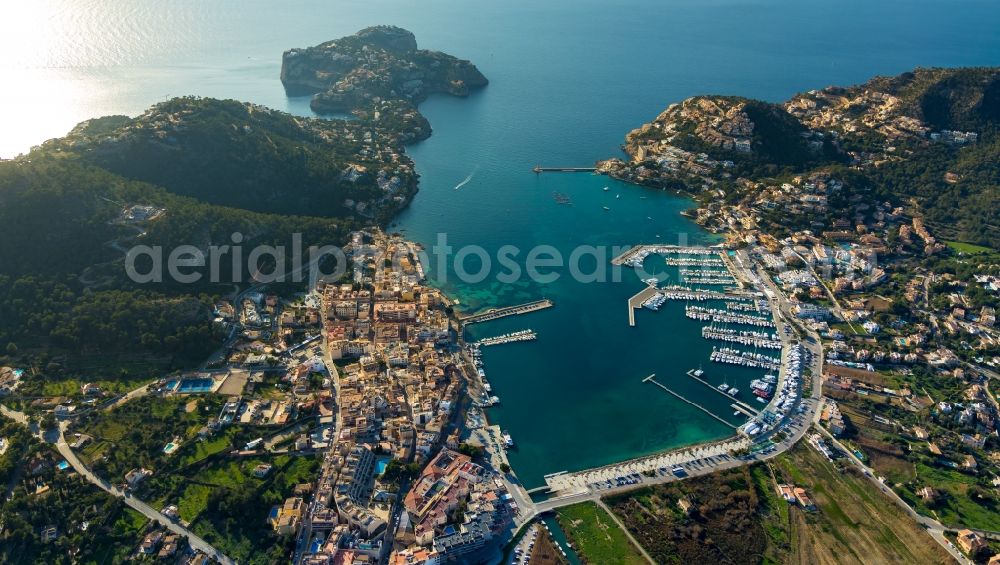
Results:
[497, 313]
[637, 300]
[650, 379]
[737, 403]
[523, 335]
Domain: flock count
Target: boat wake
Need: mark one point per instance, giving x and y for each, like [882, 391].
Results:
[466, 180]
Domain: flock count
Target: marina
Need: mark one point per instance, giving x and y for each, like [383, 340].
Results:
[678, 292]
[732, 306]
[747, 338]
[726, 317]
[746, 306]
[708, 280]
[694, 262]
[744, 359]
[635, 255]
[686, 272]
[513, 337]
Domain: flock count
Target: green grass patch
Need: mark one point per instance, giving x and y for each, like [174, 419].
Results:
[193, 502]
[204, 449]
[957, 508]
[968, 248]
[130, 522]
[596, 536]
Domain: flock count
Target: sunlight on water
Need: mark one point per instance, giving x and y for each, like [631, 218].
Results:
[62, 61]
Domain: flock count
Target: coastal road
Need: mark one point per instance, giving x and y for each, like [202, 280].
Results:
[934, 528]
[829, 293]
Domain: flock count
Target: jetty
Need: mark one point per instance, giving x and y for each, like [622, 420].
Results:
[626, 255]
[497, 313]
[637, 301]
[744, 407]
[540, 169]
[650, 379]
[639, 252]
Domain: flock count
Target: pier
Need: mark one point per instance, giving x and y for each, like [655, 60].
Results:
[646, 249]
[743, 410]
[636, 302]
[742, 406]
[497, 313]
[650, 379]
[626, 255]
[541, 169]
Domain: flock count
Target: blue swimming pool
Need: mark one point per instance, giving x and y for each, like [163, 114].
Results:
[189, 386]
[380, 465]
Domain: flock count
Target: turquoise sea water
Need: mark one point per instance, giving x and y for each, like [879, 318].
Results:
[568, 80]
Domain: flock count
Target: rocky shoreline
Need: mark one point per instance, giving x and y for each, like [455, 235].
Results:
[740, 158]
[380, 76]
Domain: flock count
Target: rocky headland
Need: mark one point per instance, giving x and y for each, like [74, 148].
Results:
[379, 75]
[754, 163]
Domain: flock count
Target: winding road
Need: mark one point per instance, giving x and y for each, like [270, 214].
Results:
[59, 441]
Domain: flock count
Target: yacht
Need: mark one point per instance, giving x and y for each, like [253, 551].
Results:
[605, 189]
[507, 440]
[606, 208]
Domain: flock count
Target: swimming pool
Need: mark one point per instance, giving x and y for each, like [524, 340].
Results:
[380, 465]
[190, 386]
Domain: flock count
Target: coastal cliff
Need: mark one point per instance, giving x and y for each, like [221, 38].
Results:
[377, 74]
